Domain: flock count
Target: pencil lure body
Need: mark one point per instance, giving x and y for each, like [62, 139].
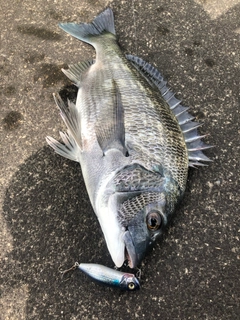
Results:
[110, 277]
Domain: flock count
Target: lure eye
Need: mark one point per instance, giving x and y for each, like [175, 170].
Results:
[154, 221]
[131, 286]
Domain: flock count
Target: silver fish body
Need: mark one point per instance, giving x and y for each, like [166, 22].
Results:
[133, 139]
[110, 277]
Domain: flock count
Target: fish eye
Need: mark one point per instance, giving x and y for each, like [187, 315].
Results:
[154, 220]
[131, 286]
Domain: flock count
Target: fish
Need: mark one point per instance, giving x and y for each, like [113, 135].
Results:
[133, 138]
[110, 277]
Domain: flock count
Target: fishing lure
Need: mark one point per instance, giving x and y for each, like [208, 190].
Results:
[107, 276]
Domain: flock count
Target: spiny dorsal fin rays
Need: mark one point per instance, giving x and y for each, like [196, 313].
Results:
[197, 155]
[196, 163]
[194, 138]
[110, 130]
[198, 144]
[188, 126]
[71, 118]
[156, 79]
[68, 150]
[76, 71]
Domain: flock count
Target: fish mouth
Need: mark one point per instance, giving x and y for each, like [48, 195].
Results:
[136, 246]
[130, 252]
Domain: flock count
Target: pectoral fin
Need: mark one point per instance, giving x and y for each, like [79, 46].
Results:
[110, 130]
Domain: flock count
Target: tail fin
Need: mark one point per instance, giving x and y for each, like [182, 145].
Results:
[84, 31]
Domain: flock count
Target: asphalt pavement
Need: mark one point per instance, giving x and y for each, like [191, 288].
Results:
[46, 219]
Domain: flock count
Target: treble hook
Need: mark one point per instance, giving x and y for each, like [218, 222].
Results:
[63, 272]
[139, 273]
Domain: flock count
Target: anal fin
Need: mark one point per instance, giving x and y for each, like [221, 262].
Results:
[76, 71]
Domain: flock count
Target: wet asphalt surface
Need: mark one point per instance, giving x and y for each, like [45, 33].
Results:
[46, 219]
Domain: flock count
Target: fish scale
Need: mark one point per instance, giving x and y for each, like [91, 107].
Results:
[171, 158]
[133, 139]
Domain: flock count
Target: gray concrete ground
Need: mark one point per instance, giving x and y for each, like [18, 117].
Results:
[46, 219]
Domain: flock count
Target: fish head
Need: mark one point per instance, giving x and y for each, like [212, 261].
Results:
[139, 220]
[144, 219]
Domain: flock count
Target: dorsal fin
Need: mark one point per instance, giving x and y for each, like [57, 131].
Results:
[189, 127]
[110, 130]
[75, 71]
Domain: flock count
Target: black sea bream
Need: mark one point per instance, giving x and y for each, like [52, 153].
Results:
[133, 139]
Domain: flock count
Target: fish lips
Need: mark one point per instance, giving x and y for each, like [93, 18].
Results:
[136, 246]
